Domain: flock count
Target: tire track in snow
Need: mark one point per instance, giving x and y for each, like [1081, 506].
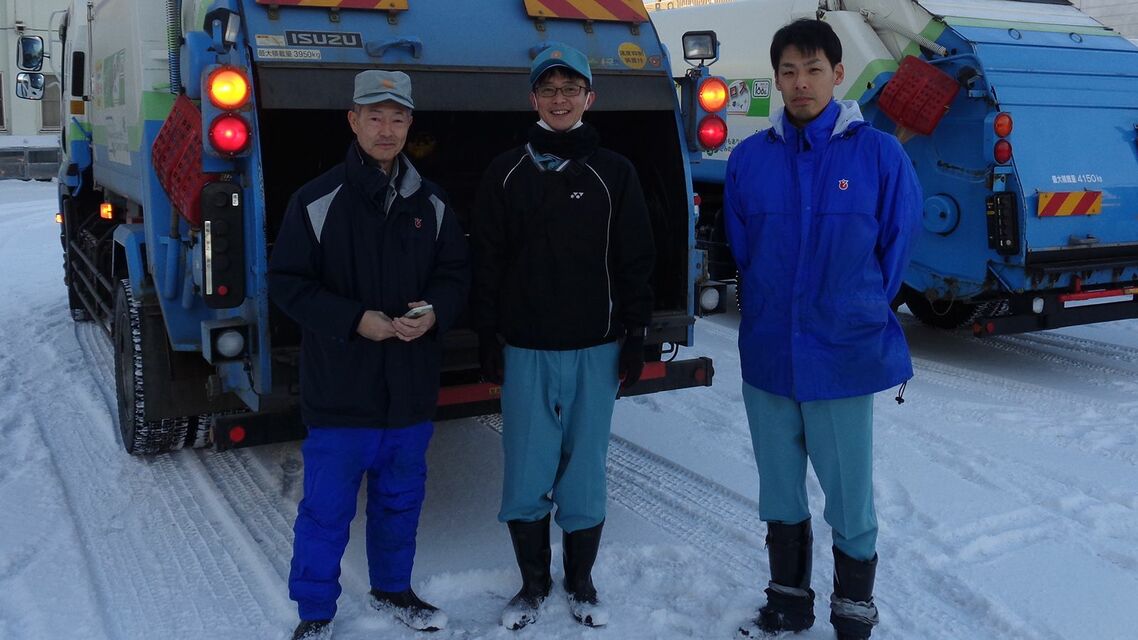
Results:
[1073, 344]
[241, 495]
[1094, 426]
[122, 510]
[1056, 505]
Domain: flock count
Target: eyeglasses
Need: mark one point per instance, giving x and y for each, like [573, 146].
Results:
[569, 91]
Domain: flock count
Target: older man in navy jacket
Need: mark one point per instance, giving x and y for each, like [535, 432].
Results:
[360, 249]
[820, 212]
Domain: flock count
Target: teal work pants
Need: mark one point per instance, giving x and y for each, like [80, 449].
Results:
[837, 438]
[556, 418]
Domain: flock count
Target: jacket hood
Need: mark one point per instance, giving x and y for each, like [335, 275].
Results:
[848, 114]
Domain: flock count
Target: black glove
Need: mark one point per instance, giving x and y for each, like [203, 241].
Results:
[631, 362]
[490, 356]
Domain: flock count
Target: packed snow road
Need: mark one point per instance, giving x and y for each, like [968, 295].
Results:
[1007, 488]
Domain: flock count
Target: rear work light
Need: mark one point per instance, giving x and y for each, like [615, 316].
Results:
[1003, 124]
[229, 134]
[228, 88]
[712, 132]
[712, 94]
[1002, 151]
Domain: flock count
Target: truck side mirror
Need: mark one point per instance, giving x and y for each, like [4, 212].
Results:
[29, 86]
[29, 53]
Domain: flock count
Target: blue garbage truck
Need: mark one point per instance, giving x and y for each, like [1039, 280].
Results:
[1021, 119]
[191, 122]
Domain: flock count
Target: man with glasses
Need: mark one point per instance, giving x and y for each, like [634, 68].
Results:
[563, 255]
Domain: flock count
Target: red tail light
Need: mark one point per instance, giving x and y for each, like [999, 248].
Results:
[229, 134]
[1002, 151]
[712, 132]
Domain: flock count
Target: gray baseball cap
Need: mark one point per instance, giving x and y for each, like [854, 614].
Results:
[376, 85]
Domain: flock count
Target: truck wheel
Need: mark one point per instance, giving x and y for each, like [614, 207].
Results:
[135, 339]
[939, 313]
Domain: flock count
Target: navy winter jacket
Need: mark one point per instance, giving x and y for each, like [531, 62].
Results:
[821, 221]
[350, 242]
[563, 256]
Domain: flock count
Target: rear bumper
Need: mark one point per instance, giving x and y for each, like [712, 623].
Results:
[462, 401]
[237, 430]
[1059, 310]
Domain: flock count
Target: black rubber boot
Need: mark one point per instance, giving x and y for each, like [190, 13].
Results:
[409, 609]
[531, 548]
[313, 630]
[852, 611]
[790, 600]
[580, 548]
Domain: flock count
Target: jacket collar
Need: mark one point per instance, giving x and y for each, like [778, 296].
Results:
[366, 174]
[836, 119]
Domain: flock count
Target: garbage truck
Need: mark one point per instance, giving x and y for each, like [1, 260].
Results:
[189, 124]
[1021, 118]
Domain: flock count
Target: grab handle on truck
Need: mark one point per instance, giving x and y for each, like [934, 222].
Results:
[414, 45]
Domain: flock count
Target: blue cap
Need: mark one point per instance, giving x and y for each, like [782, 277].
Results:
[559, 54]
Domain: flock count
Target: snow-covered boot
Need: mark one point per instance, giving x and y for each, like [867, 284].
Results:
[852, 611]
[531, 548]
[790, 600]
[409, 609]
[313, 630]
[580, 550]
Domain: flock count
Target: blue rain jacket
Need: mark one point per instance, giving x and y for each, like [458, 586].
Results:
[821, 222]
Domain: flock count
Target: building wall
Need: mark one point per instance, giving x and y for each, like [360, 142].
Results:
[26, 117]
[1121, 15]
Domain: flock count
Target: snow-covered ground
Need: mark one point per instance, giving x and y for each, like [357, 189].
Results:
[1007, 488]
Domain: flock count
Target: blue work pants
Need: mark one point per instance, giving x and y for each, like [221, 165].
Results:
[335, 461]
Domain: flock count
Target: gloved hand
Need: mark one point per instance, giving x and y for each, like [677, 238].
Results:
[631, 361]
[490, 357]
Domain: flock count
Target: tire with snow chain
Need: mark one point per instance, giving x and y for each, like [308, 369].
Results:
[136, 336]
[938, 313]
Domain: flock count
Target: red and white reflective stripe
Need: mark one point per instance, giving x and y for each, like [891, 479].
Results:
[1106, 296]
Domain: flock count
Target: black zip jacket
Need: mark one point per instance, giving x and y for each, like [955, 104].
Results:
[351, 241]
[563, 253]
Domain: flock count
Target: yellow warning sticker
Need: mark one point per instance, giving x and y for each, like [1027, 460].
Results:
[632, 55]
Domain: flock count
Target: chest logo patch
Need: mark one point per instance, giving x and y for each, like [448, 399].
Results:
[576, 195]
[843, 184]
[418, 223]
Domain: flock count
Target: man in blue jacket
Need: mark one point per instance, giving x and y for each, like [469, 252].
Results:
[360, 248]
[820, 211]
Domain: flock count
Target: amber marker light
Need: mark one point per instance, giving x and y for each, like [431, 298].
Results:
[713, 94]
[1003, 124]
[228, 88]
[106, 211]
